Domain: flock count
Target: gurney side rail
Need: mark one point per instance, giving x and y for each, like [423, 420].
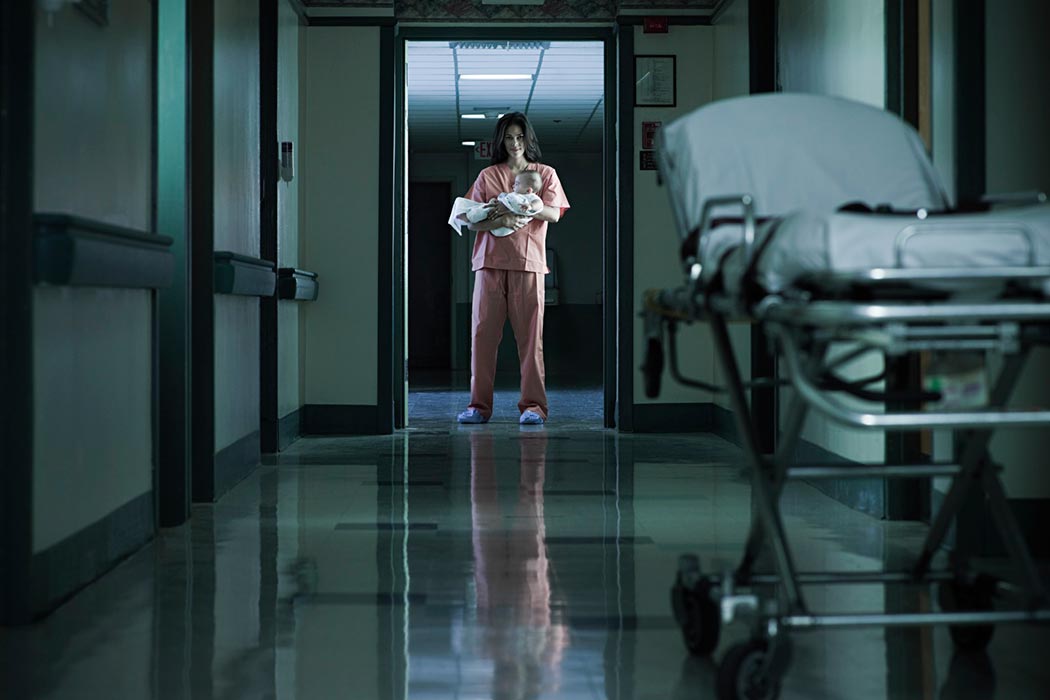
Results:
[917, 420]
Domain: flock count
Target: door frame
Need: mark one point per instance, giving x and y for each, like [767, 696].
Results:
[393, 344]
[17, 40]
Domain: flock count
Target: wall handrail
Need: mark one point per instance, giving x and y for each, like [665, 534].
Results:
[296, 284]
[244, 275]
[75, 251]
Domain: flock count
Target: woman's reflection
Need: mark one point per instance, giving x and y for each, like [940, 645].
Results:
[512, 572]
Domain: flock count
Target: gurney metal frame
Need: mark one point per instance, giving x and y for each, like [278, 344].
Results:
[803, 328]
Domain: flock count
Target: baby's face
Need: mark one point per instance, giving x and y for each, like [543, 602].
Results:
[523, 185]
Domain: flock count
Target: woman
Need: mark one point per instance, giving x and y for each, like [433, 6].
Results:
[509, 272]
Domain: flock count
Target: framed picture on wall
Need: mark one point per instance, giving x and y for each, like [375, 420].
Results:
[654, 81]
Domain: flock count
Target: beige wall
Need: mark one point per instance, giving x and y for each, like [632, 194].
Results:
[942, 92]
[831, 47]
[92, 447]
[339, 223]
[712, 64]
[656, 240]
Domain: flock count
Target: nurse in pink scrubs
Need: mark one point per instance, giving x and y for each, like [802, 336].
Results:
[509, 272]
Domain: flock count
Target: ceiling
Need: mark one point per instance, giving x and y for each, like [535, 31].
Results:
[563, 94]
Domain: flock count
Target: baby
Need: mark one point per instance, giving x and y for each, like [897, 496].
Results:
[522, 201]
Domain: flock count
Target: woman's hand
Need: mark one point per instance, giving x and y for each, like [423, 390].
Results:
[513, 221]
[497, 210]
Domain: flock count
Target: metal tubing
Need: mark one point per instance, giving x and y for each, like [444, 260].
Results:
[896, 471]
[902, 420]
[831, 313]
[913, 619]
[973, 448]
[760, 488]
[824, 578]
[795, 417]
[913, 230]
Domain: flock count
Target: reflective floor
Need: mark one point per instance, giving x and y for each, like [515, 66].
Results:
[489, 561]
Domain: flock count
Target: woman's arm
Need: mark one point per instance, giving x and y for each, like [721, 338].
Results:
[551, 214]
[505, 221]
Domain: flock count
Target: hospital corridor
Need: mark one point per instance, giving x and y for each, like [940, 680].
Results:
[748, 399]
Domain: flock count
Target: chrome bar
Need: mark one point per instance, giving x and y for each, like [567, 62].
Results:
[764, 493]
[745, 201]
[895, 471]
[954, 228]
[913, 619]
[1021, 197]
[832, 313]
[986, 419]
[840, 280]
[853, 577]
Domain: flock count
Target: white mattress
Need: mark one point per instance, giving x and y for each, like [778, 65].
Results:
[809, 242]
[794, 152]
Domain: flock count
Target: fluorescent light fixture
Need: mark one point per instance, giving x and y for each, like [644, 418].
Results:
[469, 143]
[500, 115]
[472, 116]
[495, 76]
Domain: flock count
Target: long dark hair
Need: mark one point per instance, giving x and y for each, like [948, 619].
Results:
[532, 144]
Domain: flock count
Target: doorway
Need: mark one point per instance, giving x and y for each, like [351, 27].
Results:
[430, 284]
[456, 85]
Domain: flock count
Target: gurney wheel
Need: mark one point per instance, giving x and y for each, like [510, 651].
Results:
[697, 614]
[959, 596]
[740, 675]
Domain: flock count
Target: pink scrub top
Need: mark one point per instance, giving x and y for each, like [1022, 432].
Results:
[526, 248]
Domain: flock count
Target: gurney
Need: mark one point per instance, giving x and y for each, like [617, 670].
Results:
[822, 222]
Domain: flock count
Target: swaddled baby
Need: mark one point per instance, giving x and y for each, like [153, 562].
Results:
[522, 201]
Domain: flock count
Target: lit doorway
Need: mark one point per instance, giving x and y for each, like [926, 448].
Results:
[450, 119]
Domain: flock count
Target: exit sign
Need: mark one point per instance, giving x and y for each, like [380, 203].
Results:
[483, 150]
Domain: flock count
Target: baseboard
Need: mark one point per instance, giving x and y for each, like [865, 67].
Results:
[674, 418]
[339, 419]
[289, 429]
[234, 462]
[866, 495]
[723, 424]
[58, 572]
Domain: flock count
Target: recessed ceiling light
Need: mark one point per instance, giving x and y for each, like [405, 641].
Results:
[469, 143]
[472, 116]
[496, 76]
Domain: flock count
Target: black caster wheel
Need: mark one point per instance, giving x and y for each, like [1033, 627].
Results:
[978, 596]
[741, 676]
[694, 610]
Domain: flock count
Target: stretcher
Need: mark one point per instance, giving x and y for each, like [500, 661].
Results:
[822, 222]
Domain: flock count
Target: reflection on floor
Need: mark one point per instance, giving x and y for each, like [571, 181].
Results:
[489, 561]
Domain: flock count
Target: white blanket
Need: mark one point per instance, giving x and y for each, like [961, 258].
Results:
[794, 152]
[521, 204]
[808, 242]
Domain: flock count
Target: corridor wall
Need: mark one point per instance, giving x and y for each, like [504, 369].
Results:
[92, 487]
[339, 226]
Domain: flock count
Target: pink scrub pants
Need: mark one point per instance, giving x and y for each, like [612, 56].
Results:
[497, 295]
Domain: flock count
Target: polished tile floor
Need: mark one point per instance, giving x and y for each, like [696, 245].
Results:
[485, 562]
